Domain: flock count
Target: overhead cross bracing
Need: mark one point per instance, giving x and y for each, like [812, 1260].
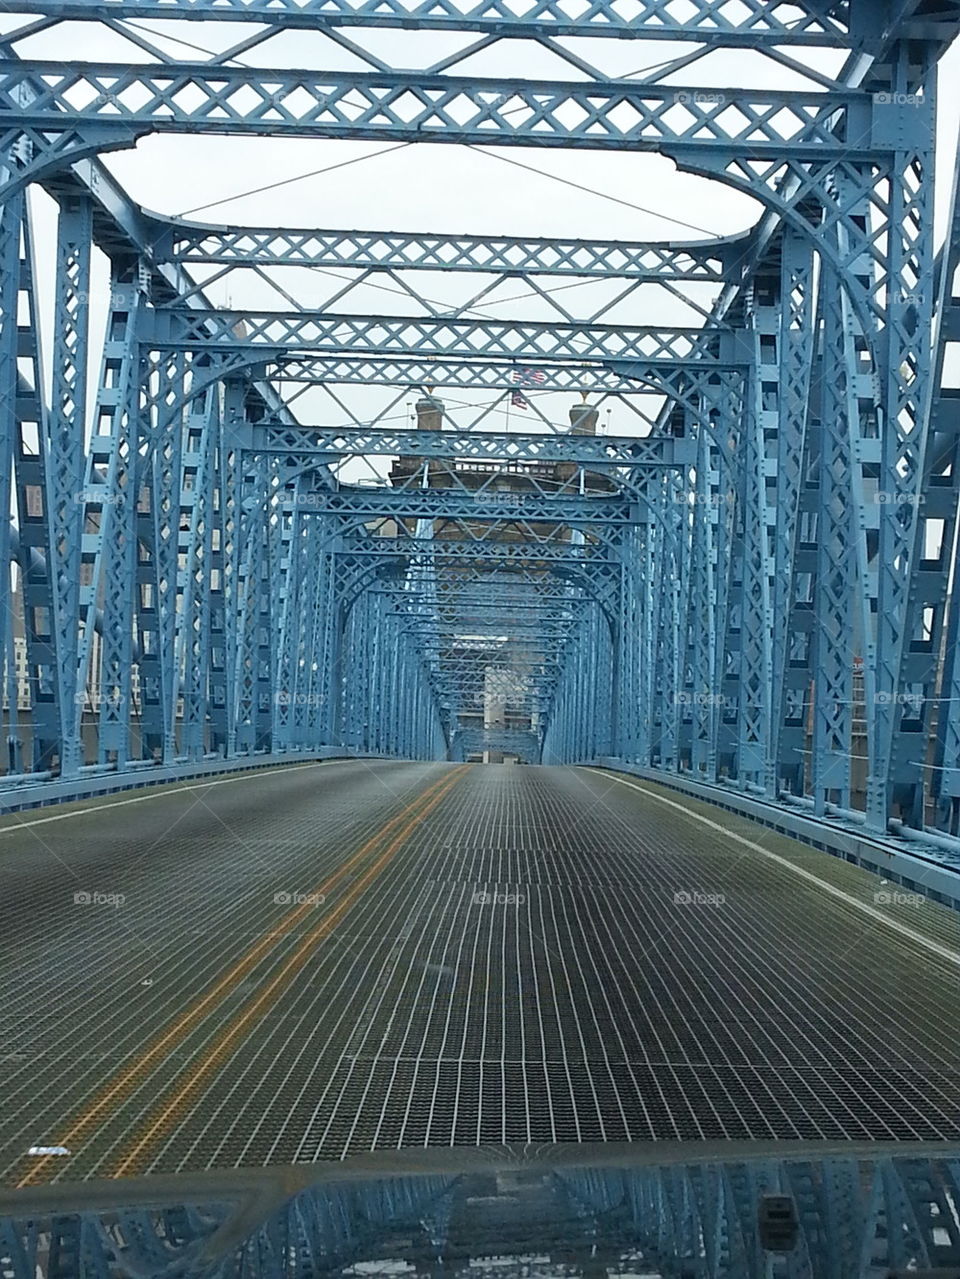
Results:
[233, 530]
[378, 250]
[751, 22]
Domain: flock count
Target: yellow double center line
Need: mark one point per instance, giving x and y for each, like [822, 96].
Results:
[127, 1080]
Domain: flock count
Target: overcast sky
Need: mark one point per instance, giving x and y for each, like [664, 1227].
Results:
[434, 187]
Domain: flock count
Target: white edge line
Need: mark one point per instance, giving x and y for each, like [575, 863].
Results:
[159, 791]
[944, 952]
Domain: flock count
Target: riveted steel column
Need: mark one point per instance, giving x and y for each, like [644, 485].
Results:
[287, 691]
[836, 558]
[756, 573]
[896, 773]
[66, 460]
[10, 216]
[194, 578]
[795, 329]
[225, 572]
[33, 499]
[702, 616]
[112, 484]
[254, 518]
[727, 424]
[158, 543]
[937, 564]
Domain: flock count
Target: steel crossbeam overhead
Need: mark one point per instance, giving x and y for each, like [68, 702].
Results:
[518, 659]
[450, 637]
[757, 591]
[470, 446]
[513, 555]
[448, 628]
[268, 101]
[714, 262]
[751, 23]
[459, 618]
[444, 636]
[482, 590]
[498, 635]
[63, 114]
[430, 504]
[494, 591]
[476, 482]
[673, 377]
[471, 606]
[463, 686]
[409, 335]
[544, 651]
[528, 682]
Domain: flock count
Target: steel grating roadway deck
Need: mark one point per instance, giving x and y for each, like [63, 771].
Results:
[213, 1018]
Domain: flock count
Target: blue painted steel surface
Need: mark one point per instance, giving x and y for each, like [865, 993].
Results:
[756, 592]
[733, 22]
[701, 1215]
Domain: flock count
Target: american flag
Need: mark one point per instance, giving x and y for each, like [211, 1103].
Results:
[529, 377]
[518, 401]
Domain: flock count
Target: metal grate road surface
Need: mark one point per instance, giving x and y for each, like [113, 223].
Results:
[357, 956]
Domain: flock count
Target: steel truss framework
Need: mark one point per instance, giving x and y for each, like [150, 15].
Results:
[199, 574]
[853, 1217]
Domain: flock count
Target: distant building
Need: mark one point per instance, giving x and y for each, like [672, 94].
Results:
[24, 701]
[500, 703]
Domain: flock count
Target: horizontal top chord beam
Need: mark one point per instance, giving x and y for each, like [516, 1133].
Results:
[623, 377]
[198, 97]
[439, 504]
[457, 445]
[425, 251]
[526, 555]
[751, 23]
[323, 332]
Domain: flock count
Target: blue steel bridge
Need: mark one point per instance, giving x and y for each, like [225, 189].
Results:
[376, 788]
